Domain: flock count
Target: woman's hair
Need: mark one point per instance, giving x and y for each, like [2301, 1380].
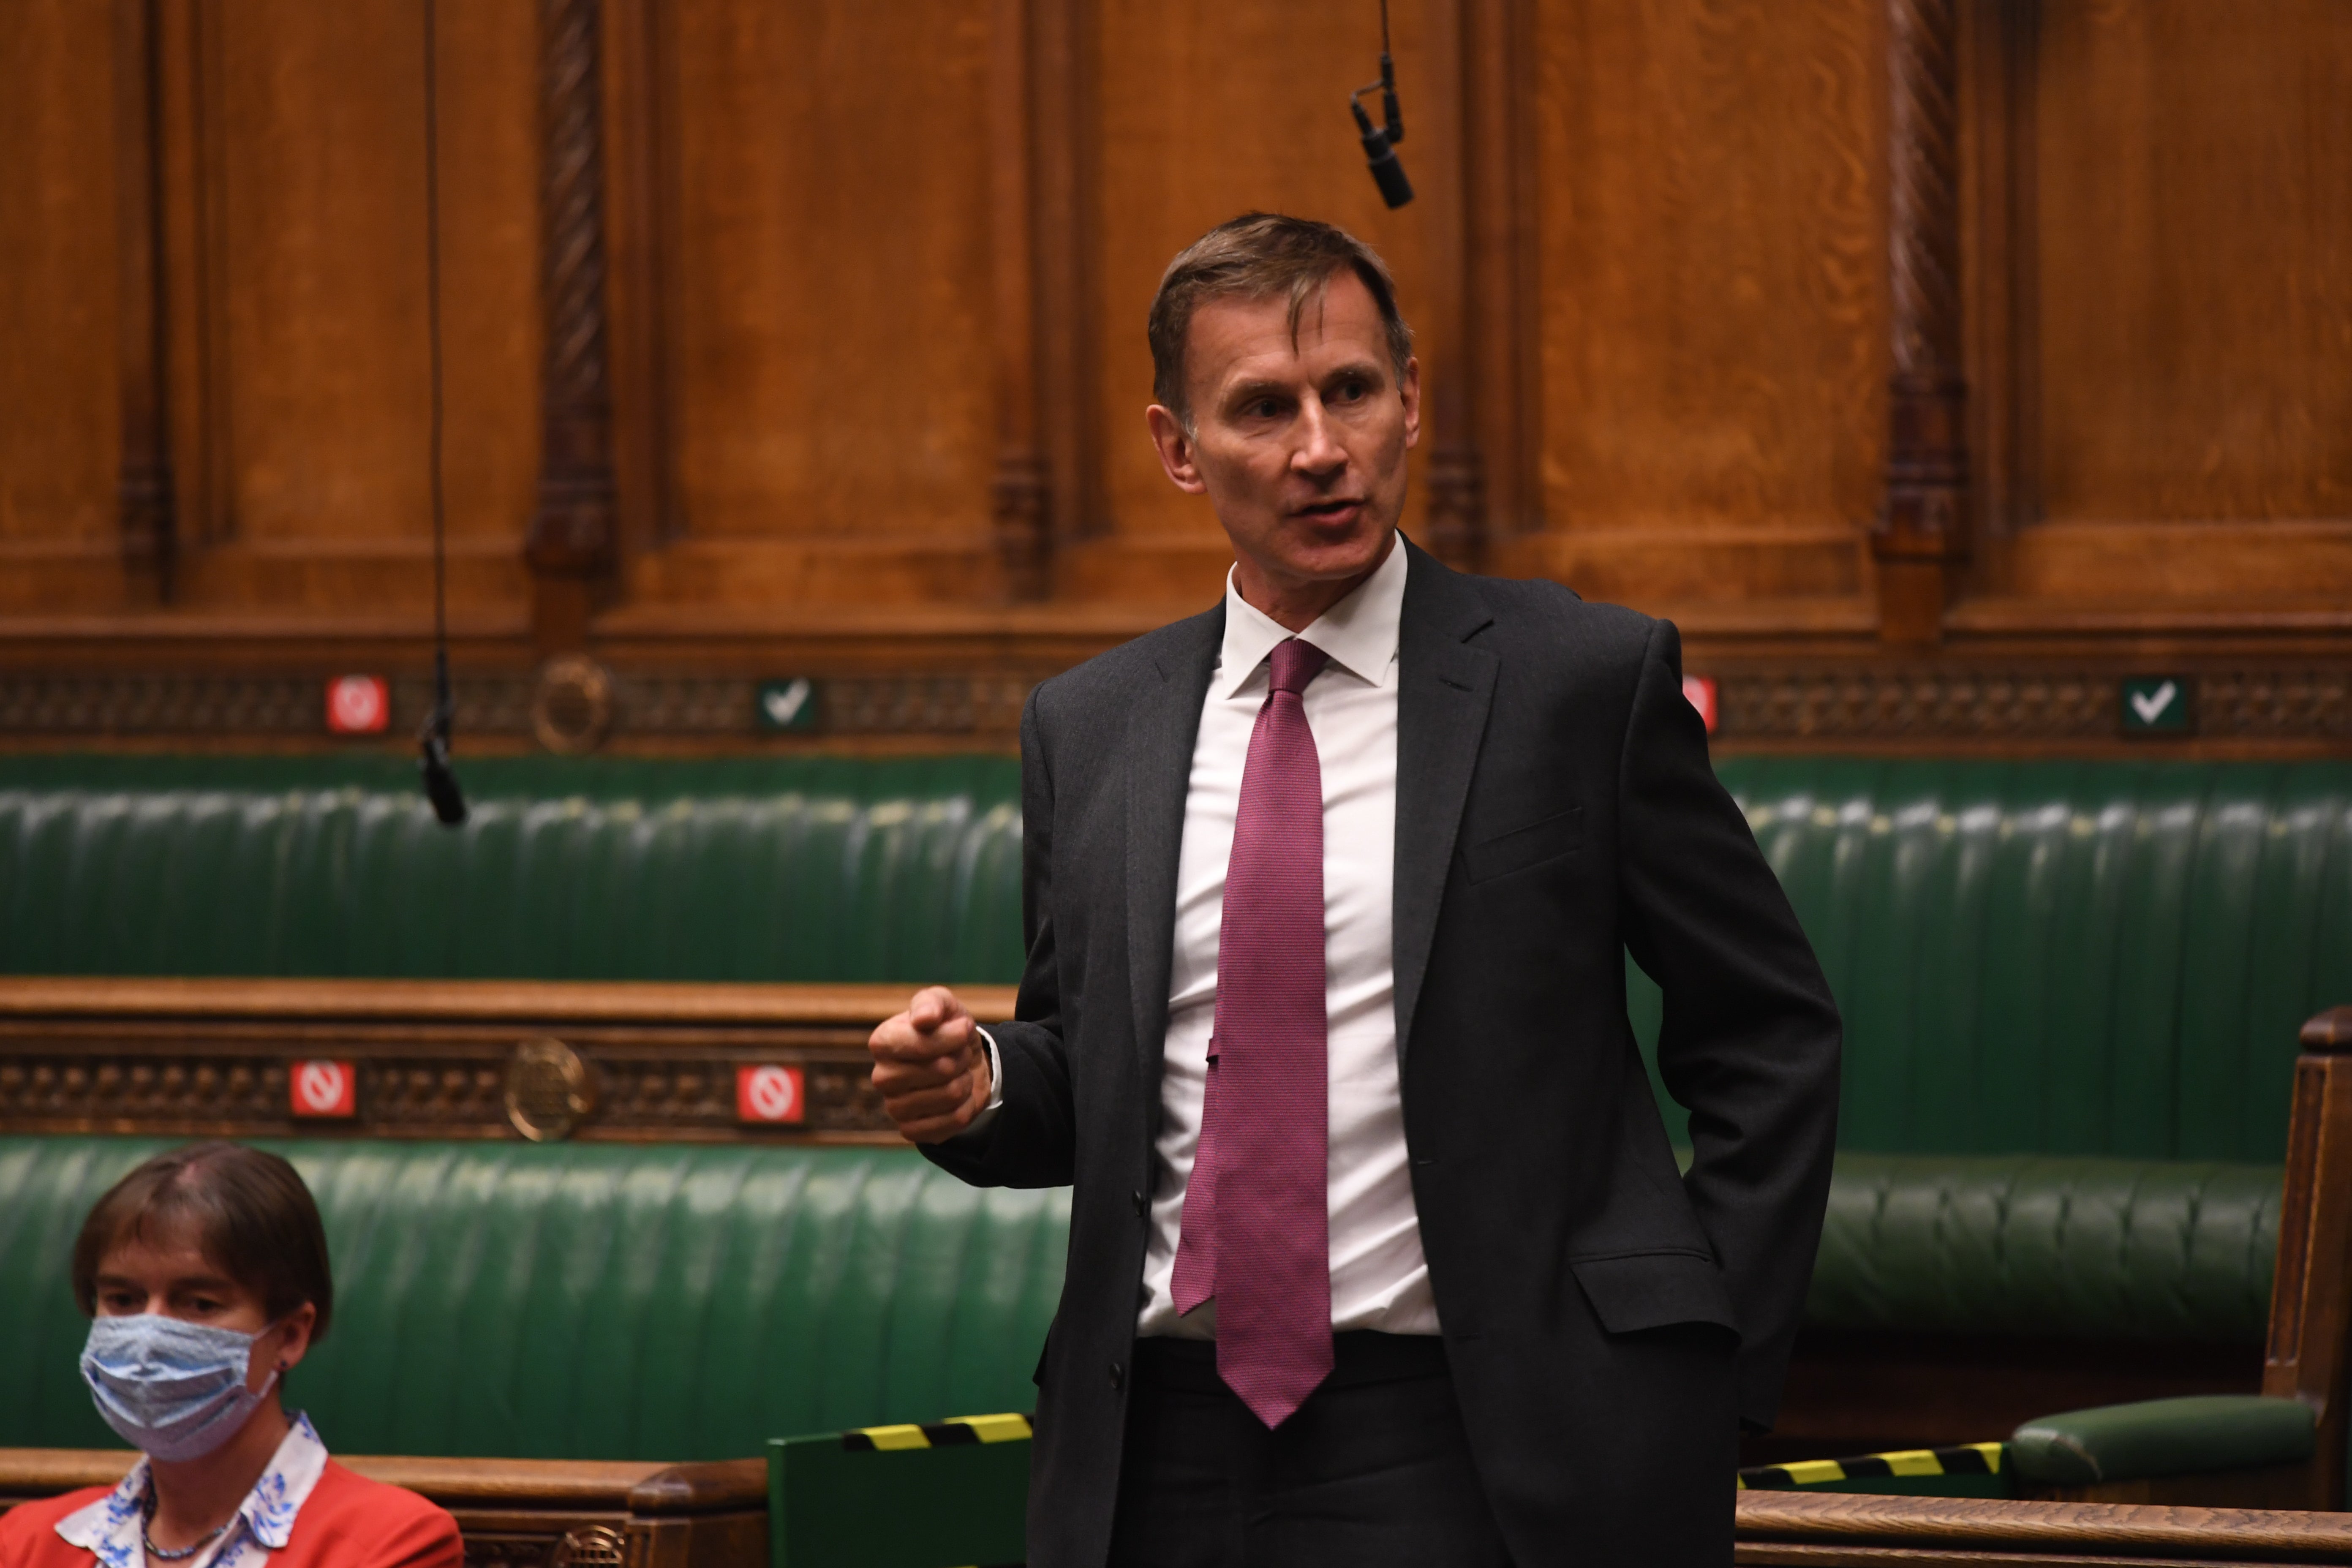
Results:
[249, 1212]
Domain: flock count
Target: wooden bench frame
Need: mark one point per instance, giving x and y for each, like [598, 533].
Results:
[546, 1513]
[2308, 1350]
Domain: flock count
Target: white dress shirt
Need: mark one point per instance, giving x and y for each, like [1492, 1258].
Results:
[1379, 1277]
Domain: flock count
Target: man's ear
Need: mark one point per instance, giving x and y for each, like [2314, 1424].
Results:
[1175, 449]
[1409, 388]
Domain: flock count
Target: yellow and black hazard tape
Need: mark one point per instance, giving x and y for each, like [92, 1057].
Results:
[1968, 1459]
[961, 1432]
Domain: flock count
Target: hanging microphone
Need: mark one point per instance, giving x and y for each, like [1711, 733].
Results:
[1379, 142]
[432, 748]
[433, 740]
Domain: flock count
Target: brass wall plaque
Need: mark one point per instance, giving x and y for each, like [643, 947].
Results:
[572, 708]
[550, 1091]
[595, 1546]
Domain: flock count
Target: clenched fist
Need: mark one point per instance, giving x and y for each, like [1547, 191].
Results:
[932, 1066]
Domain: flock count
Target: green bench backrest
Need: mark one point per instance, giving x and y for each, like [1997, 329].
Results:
[663, 1302]
[2062, 958]
[808, 869]
[592, 1300]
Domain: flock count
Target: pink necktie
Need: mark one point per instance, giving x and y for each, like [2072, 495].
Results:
[1256, 1227]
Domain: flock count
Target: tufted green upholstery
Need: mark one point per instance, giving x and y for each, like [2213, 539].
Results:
[2063, 958]
[655, 1302]
[593, 1302]
[2058, 958]
[807, 868]
[2159, 1250]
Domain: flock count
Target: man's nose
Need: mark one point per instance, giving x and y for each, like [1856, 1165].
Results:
[1318, 452]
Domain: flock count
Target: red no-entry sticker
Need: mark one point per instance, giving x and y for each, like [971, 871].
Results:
[358, 705]
[323, 1089]
[770, 1093]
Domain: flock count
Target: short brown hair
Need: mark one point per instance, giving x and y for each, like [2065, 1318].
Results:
[1256, 256]
[253, 1217]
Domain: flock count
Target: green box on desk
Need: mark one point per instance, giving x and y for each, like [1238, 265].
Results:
[952, 1495]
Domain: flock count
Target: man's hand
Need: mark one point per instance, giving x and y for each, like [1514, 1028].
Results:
[932, 1066]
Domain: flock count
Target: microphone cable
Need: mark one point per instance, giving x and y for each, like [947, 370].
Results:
[433, 740]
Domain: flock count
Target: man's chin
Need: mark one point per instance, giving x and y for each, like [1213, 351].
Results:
[1320, 553]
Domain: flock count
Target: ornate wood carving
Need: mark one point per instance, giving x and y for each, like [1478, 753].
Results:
[520, 1513]
[1922, 529]
[1500, 372]
[1457, 503]
[1848, 1528]
[2289, 705]
[434, 1058]
[571, 542]
[143, 489]
[1064, 130]
[1020, 500]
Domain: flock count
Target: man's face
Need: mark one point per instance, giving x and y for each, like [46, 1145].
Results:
[1299, 445]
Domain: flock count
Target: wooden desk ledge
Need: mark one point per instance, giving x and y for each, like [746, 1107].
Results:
[639, 1487]
[471, 1001]
[1776, 1527]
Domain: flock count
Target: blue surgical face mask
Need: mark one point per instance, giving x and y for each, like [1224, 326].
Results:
[173, 1390]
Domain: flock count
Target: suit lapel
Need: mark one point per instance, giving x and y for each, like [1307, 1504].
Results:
[1159, 737]
[1443, 693]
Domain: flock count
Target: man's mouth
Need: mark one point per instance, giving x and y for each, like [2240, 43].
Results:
[1331, 508]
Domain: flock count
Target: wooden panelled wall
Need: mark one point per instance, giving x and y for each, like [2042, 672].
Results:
[1921, 357]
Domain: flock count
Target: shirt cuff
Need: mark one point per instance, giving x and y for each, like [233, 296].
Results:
[995, 1083]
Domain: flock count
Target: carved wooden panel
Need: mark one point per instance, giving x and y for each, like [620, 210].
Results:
[59, 406]
[816, 188]
[875, 283]
[2182, 255]
[296, 236]
[1709, 214]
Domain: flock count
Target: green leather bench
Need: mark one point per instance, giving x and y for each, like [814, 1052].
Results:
[664, 1302]
[592, 1300]
[2072, 992]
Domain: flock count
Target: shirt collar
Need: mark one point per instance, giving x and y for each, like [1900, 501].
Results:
[1359, 631]
[111, 1527]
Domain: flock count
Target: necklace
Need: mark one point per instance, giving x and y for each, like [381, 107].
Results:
[147, 1517]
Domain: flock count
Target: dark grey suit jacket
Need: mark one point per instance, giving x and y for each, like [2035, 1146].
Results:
[1610, 1322]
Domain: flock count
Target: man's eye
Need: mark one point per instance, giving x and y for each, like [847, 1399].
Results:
[1263, 408]
[1350, 391]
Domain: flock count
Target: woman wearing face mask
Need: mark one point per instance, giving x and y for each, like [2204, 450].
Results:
[204, 1274]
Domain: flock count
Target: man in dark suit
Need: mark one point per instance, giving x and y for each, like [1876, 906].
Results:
[1378, 1252]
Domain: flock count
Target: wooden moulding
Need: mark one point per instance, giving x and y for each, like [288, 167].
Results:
[638, 1061]
[1917, 1532]
[711, 1515]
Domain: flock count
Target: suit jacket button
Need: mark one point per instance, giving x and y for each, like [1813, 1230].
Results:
[1141, 1208]
[1117, 1375]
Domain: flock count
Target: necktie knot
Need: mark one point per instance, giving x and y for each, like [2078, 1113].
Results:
[1296, 663]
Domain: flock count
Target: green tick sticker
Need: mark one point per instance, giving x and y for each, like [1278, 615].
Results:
[2157, 704]
[787, 704]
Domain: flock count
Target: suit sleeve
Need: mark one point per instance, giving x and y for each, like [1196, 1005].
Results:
[1031, 1139]
[1750, 1040]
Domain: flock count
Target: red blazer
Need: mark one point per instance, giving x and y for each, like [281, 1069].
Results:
[347, 1521]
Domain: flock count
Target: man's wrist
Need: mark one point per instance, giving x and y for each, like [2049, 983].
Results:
[996, 1081]
[995, 1068]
